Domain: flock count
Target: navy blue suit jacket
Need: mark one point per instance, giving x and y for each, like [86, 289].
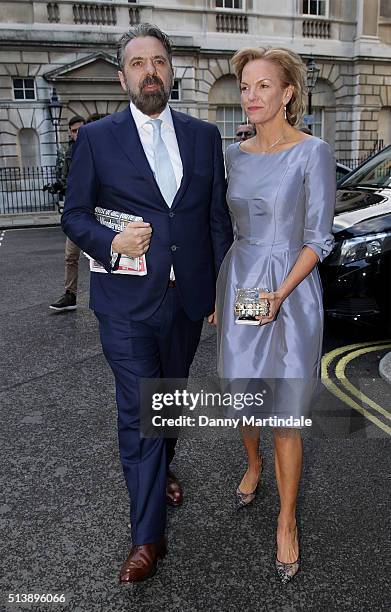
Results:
[109, 169]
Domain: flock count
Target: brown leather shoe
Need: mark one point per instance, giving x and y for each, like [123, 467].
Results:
[141, 563]
[174, 493]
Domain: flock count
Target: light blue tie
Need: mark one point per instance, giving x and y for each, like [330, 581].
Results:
[164, 172]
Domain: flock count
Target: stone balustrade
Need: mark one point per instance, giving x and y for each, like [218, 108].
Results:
[53, 12]
[134, 15]
[231, 22]
[112, 13]
[121, 14]
[94, 14]
[316, 28]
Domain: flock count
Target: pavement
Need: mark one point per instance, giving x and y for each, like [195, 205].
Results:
[64, 506]
[33, 219]
[385, 368]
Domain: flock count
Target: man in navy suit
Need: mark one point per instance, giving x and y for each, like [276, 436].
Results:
[167, 168]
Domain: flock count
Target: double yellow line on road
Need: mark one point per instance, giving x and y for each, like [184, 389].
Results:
[338, 370]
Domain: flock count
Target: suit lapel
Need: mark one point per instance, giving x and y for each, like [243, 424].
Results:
[126, 134]
[185, 137]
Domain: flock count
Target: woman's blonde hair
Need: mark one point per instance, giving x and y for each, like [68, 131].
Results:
[292, 72]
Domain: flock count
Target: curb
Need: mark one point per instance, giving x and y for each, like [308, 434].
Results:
[385, 368]
[23, 220]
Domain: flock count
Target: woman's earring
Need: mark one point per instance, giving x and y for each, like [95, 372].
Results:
[284, 112]
[247, 120]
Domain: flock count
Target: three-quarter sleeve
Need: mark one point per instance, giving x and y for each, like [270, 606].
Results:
[320, 190]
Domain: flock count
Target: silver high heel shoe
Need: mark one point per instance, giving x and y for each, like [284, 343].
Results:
[287, 571]
[244, 499]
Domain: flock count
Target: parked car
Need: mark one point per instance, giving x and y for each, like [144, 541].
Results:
[342, 171]
[356, 275]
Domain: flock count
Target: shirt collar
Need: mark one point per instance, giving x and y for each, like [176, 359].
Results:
[140, 119]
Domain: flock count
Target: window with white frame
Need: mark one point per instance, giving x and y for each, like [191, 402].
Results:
[317, 126]
[176, 90]
[315, 7]
[239, 5]
[227, 120]
[24, 89]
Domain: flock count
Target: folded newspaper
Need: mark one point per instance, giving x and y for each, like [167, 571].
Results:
[117, 221]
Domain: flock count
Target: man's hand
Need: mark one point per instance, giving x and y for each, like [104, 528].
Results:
[134, 240]
[212, 319]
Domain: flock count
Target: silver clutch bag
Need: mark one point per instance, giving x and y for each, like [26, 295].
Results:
[249, 305]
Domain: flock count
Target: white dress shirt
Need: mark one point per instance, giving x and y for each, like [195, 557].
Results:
[145, 131]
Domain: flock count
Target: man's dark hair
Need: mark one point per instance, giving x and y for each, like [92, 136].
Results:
[142, 29]
[76, 119]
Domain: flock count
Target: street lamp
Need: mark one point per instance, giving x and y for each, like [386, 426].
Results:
[55, 110]
[312, 75]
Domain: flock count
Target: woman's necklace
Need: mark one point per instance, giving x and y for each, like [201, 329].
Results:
[274, 144]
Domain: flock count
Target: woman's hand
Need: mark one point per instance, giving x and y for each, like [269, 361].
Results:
[304, 265]
[275, 299]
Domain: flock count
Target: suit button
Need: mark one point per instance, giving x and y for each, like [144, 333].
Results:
[173, 247]
[171, 214]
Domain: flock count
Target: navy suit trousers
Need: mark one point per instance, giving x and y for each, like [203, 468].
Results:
[164, 346]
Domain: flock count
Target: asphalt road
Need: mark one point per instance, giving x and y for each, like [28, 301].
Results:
[64, 507]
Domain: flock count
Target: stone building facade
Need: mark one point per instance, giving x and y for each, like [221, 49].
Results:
[70, 45]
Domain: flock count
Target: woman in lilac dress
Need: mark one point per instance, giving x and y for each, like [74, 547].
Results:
[281, 194]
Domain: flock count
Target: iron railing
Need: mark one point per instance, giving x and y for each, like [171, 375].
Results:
[37, 189]
[28, 189]
[353, 162]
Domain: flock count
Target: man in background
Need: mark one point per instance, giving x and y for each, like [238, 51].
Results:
[244, 131]
[72, 252]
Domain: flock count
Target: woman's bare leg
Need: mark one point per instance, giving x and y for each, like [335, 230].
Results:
[250, 437]
[288, 458]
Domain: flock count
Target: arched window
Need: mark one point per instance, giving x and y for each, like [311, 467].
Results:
[224, 107]
[29, 148]
[227, 120]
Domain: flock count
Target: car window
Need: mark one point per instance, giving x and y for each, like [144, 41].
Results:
[376, 172]
[342, 171]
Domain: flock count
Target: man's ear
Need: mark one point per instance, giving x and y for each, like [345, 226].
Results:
[122, 79]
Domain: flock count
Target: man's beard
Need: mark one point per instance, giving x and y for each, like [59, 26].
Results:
[151, 103]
